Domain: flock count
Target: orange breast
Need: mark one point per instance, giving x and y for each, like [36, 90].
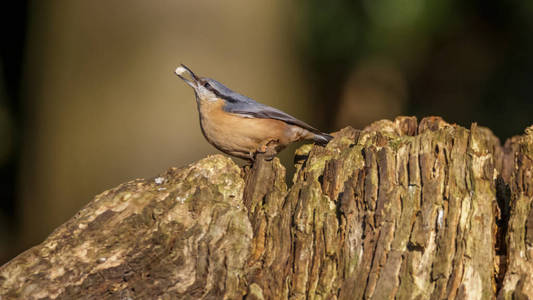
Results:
[237, 135]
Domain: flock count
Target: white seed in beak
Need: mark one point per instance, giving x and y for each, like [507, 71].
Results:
[180, 70]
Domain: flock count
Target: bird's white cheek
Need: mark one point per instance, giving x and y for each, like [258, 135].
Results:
[206, 94]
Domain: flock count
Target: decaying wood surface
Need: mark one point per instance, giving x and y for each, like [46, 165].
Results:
[518, 257]
[401, 210]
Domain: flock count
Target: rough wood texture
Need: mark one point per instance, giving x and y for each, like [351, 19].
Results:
[398, 210]
[518, 259]
[184, 234]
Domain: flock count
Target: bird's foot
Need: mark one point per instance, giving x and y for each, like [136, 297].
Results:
[268, 148]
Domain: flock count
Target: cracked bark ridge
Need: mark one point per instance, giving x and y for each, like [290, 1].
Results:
[395, 210]
[401, 209]
[183, 234]
[518, 162]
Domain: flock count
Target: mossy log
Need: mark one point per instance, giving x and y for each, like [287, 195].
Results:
[397, 210]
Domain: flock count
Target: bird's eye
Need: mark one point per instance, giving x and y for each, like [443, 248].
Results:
[207, 85]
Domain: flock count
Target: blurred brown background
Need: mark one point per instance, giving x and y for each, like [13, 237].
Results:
[88, 99]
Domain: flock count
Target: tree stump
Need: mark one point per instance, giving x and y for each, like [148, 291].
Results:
[397, 210]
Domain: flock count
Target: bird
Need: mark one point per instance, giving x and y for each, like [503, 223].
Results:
[242, 127]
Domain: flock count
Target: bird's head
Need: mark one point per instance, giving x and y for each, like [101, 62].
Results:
[204, 88]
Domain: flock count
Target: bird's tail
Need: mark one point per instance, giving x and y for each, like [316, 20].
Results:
[322, 138]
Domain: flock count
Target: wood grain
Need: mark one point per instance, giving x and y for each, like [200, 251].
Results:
[399, 210]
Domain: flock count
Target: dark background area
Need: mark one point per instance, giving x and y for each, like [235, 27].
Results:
[88, 99]
[13, 24]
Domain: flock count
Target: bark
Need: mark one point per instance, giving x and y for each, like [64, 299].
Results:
[518, 189]
[398, 210]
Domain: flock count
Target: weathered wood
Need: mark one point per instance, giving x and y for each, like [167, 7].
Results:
[518, 259]
[183, 234]
[398, 210]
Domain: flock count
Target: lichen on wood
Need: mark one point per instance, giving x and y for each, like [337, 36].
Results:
[400, 209]
[182, 234]
[518, 280]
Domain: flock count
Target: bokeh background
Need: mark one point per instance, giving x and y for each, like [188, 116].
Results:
[88, 99]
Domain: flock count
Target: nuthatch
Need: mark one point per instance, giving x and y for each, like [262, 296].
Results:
[242, 127]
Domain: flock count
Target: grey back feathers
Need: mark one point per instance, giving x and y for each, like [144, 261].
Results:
[242, 105]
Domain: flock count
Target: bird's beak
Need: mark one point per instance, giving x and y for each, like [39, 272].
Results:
[187, 75]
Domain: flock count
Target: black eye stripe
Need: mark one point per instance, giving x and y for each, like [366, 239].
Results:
[229, 99]
[213, 88]
[225, 97]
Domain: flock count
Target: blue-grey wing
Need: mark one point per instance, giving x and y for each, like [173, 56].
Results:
[258, 110]
[247, 107]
